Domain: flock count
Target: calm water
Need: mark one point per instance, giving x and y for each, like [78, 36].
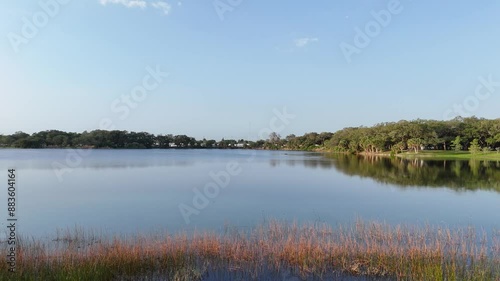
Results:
[127, 191]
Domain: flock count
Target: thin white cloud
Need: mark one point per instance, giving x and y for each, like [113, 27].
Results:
[164, 6]
[160, 5]
[302, 42]
[127, 3]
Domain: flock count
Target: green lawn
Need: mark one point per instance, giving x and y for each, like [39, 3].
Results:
[444, 155]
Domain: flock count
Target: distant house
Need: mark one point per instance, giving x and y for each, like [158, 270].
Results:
[172, 144]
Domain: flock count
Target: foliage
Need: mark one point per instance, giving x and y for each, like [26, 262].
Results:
[457, 144]
[416, 135]
[474, 147]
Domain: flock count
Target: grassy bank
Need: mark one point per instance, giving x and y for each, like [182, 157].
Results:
[452, 155]
[429, 155]
[274, 251]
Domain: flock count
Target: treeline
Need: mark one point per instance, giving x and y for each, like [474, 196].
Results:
[473, 134]
[143, 140]
[112, 139]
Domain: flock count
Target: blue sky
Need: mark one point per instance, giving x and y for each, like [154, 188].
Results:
[227, 76]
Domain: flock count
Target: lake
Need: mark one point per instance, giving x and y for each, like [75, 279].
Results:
[129, 191]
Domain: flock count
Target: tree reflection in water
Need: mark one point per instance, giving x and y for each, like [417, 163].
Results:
[455, 174]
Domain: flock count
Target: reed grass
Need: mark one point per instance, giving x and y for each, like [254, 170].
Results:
[272, 251]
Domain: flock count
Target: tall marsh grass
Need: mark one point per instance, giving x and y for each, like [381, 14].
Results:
[272, 251]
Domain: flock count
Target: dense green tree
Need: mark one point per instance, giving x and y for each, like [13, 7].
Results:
[415, 144]
[211, 143]
[164, 141]
[475, 147]
[457, 144]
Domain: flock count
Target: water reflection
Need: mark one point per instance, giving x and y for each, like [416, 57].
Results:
[127, 190]
[455, 174]
[102, 159]
[314, 163]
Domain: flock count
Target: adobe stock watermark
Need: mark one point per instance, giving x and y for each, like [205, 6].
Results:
[222, 179]
[121, 107]
[224, 6]
[484, 89]
[373, 28]
[49, 9]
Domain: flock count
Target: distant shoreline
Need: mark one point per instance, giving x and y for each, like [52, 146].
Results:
[423, 137]
[423, 154]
